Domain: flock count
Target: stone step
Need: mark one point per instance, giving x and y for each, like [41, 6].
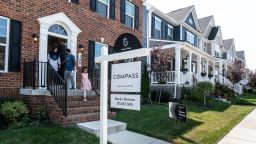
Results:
[73, 119]
[81, 98]
[94, 127]
[83, 110]
[72, 104]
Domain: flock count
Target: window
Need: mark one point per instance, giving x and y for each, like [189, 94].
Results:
[4, 40]
[58, 29]
[190, 20]
[129, 14]
[170, 32]
[190, 38]
[217, 50]
[103, 8]
[98, 47]
[158, 28]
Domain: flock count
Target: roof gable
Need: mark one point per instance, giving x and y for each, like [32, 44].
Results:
[187, 15]
[190, 21]
[206, 25]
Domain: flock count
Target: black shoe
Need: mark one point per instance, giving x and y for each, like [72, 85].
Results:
[72, 88]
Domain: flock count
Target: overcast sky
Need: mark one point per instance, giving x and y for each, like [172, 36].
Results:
[236, 18]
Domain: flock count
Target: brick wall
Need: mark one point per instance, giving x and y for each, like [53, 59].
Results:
[92, 25]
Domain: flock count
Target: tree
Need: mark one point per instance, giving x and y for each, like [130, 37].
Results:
[161, 60]
[252, 79]
[236, 72]
[207, 88]
[145, 86]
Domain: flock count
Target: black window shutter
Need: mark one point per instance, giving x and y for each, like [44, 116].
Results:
[91, 58]
[122, 11]
[75, 1]
[137, 17]
[112, 9]
[15, 46]
[153, 27]
[162, 30]
[93, 5]
[166, 32]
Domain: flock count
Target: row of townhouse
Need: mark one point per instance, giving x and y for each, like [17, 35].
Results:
[201, 53]
[29, 30]
[87, 26]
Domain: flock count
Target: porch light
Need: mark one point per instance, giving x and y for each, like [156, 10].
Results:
[81, 47]
[35, 37]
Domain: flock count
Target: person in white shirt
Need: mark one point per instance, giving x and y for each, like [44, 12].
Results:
[54, 59]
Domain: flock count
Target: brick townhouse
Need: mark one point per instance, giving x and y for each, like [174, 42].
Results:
[30, 29]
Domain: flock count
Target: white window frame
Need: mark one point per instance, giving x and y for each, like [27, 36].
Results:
[189, 38]
[100, 44]
[108, 4]
[133, 17]
[170, 27]
[158, 19]
[6, 45]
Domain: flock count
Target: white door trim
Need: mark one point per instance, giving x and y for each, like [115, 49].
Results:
[67, 24]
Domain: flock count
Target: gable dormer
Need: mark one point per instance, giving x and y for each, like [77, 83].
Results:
[190, 21]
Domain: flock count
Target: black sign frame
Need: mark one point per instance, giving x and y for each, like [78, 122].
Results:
[126, 42]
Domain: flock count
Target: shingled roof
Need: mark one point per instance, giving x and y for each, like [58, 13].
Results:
[240, 55]
[204, 22]
[227, 43]
[180, 14]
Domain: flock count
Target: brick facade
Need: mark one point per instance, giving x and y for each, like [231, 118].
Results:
[92, 25]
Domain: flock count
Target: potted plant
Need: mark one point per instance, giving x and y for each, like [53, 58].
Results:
[184, 70]
[203, 74]
[210, 75]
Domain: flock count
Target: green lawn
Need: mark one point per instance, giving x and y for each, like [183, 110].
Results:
[47, 134]
[246, 99]
[204, 125]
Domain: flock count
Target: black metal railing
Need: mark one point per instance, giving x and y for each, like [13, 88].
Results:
[96, 80]
[41, 74]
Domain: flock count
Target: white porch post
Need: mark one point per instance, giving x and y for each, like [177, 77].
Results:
[104, 98]
[199, 65]
[220, 73]
[190, 67]
[43, 41]
[177, 64]
[213, 71]
[207, 67]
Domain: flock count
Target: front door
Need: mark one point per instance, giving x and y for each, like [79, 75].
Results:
[61, 44]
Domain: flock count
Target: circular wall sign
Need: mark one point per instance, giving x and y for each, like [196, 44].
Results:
[126, 42]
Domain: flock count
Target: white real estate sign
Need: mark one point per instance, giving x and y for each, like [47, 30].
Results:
[126, 77]
[125, 101]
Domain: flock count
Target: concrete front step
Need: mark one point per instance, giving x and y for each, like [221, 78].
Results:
[72, 104]
[73, 119]
[83, 110]
[94, 127]
[81, 98]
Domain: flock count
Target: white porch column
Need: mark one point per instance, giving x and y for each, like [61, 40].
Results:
[213, 71]
[43, 42]
[207, 67]
[177, 64]
[199, 69]
[220, 73]
[190, 67]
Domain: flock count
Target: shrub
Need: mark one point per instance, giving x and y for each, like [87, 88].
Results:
[145, 85]
[15, 113]
[186, 92]
[224, 91]
[165, 96]
[40, 114]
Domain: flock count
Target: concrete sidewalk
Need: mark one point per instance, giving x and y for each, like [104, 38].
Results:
[244, 132]
[128, 137]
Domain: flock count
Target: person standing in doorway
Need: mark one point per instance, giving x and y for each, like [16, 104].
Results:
[54, 59]
[70, 63]
[85, 82]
